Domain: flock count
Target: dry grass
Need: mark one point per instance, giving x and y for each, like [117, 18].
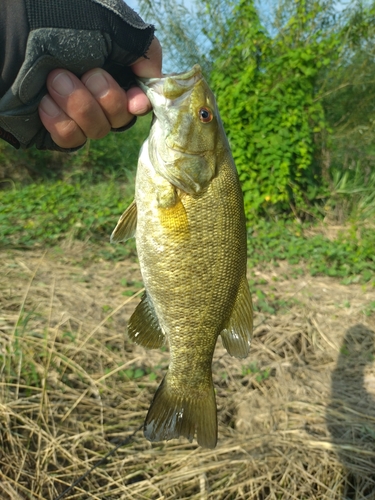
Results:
[296, 419]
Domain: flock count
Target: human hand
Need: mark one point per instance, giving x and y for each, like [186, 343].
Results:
[76, 109]
[77, 36]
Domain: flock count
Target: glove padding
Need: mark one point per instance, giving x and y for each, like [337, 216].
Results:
[76, 35]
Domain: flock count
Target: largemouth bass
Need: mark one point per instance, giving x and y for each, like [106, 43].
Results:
[189, 223]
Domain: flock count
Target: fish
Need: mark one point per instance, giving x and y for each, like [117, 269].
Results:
[189, 223]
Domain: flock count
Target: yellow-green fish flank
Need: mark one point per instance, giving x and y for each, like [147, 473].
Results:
[189, 223]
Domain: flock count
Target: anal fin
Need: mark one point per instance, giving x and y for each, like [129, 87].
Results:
[126, 225]
[143, 325]
[237, 335]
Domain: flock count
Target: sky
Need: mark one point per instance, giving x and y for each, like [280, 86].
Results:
[168, 64]
[265, 8]
[133, 4]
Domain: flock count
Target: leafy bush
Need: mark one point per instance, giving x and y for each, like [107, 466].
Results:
[296, 91]
[266, 93]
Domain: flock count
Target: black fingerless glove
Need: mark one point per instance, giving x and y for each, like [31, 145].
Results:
[76, 35]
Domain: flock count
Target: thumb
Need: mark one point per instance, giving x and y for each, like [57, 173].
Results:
[149, 66]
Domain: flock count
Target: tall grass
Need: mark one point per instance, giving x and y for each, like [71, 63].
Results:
[353, 193]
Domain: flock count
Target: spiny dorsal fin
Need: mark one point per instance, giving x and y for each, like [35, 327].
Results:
[143, 326]
[126, 225]
[237, 335]
[173, 414]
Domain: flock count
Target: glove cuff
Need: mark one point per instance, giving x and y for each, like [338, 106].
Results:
[94, 15]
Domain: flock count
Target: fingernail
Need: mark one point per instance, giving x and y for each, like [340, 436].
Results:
[49, 107]
[97, 85]
[62, 84]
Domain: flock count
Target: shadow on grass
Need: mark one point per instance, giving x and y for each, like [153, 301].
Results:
[351, 412]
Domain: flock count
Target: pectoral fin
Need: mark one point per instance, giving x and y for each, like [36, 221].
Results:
[143, 326]
[126, 225]
[237, 335]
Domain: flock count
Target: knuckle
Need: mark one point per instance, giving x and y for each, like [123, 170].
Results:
[117, 110]
[99, 132]
[85, 108]
[69, 131]
[68, 135]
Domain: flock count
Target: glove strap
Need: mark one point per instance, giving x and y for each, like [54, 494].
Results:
[9, 138]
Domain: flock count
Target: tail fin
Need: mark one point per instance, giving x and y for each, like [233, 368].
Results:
[172, 415]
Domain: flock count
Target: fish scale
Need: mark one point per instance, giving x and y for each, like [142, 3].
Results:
[191, 241]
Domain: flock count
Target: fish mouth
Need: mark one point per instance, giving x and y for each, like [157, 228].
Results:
[173, 85]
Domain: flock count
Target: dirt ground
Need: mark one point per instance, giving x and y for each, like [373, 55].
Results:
[296, 419]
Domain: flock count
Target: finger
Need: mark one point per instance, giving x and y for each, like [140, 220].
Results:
[64, 131]
[149, 66]
[138, 102]
[77, 102]
[109, 95]
[145, 67]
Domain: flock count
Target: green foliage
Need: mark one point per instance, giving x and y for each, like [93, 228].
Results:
[114, 156]
[266, 94]
[187, 33]
[352, 194]
[297, 99]
[131, 287]
[261, 374]
[267, 303]
[46, 213]
[136, 373]
[18, 351]
[370, 310]
[348, 97]
[350, 256]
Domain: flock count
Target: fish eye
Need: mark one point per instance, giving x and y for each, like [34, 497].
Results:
[205, 115]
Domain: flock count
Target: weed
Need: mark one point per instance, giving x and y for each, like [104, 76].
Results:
[269, 303]
[135, 373]
[131, 287]
[344, 350]
[106, 308]
[45, 214]
[70, 336]
[262, 303]
[353, 193]
[19, 365]
[349, 256]
[260, 373]
[370, 308]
